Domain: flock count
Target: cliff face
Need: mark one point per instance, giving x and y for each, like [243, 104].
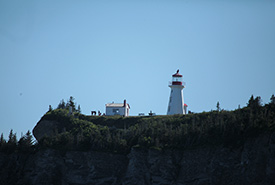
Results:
[45, 128]
[252, 163]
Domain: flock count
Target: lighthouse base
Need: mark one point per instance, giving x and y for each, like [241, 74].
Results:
[176, 102]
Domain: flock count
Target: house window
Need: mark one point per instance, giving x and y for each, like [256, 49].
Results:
[116, 111]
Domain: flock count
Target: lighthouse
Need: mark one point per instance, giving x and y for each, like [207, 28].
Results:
[176, 103]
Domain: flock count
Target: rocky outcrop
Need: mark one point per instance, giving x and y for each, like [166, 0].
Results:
[252, 163]
[45, 128]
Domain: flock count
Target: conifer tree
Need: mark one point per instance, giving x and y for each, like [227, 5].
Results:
[272, 99]
[61, 105]
[78, 109]
[218, 106]
[25, 143]
[12, 138]
[2, 140]
[250, 101]
[28, 138]
[50, 108]
[254, 103]
[71, 103]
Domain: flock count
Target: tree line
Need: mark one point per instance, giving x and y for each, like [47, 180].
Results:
[70, 103]
[25, 144]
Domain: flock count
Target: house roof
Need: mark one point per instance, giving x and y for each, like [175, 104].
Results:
[116, 105]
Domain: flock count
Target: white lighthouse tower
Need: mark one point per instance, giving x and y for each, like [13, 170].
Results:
[176, 102]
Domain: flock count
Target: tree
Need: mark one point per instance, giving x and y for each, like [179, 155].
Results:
[12, 143]
[258, 101]
[78, 109]
[26, 142]
[71, 103]
[28, 138]
[12, 138]
[254, 103]
[218, 106]
[61, 105]
[250, 101]
[2, 140]
[272, 99]
[50, 108]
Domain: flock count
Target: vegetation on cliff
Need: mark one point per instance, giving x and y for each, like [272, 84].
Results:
[24, 145]
[120, 134]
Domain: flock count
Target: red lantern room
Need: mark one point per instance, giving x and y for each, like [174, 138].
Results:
[177, 79]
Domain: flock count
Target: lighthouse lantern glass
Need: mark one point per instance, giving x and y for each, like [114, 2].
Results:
[177, 79]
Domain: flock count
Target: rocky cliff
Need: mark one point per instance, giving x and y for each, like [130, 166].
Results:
[251, 163]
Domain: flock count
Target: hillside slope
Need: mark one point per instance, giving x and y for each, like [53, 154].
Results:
[251, 163]
[57, 129]
[217, 147]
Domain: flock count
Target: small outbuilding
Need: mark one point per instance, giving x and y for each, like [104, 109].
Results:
[117, 109]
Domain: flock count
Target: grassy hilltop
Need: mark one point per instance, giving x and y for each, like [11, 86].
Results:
[119, 134]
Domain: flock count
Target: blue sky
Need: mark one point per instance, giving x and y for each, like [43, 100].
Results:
[104, 51]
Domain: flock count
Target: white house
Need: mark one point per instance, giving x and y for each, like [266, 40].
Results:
[117, 109]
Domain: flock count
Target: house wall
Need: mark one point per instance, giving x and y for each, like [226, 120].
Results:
[111, 111]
